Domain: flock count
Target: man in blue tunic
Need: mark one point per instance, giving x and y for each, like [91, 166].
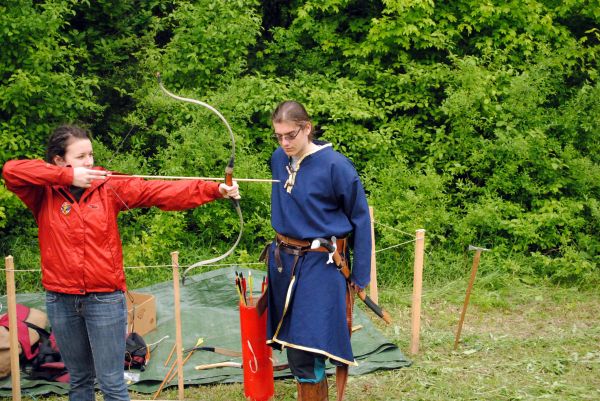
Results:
[309, 301]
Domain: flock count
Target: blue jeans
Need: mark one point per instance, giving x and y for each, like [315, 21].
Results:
[90, 331]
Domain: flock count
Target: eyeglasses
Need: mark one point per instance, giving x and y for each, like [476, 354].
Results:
[290, 136]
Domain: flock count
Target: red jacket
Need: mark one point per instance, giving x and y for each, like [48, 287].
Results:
[80, 245]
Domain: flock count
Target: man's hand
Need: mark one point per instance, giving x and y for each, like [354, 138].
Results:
[230, 191]
[356, 287]
[83, 177]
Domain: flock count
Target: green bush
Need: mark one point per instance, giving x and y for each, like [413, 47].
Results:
[476, 121]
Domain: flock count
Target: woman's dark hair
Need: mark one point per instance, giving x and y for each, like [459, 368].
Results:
[291, 111]
[59, 140]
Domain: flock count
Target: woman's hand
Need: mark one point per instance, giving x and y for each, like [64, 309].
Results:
[83, 177]
[230, 191]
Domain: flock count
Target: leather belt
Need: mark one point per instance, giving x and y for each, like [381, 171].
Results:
[305, 245]
[298, 247]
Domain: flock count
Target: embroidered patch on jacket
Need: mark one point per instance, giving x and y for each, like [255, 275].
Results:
[65, 208]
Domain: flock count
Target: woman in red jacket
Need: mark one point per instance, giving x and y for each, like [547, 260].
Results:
[75, 206]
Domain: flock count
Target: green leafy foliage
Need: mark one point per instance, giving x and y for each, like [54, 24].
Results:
[477, 121]
[40, 81]
[209, 42]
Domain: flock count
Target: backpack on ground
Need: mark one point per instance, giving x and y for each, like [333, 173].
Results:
[48, 364]
[137, 353]
[28, 321]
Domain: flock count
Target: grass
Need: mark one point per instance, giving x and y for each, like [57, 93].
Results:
[518, 342]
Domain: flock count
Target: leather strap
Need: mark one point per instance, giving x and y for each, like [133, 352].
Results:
[305, 244]
[292, 241]
[349, 306]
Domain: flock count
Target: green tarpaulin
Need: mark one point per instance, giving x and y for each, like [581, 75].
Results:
[209, 310]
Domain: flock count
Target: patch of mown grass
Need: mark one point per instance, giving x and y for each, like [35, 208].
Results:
[519, 342]
[540, 342]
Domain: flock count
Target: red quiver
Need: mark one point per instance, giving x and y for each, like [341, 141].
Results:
[256, 354]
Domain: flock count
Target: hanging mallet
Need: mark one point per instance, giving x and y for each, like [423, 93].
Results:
[476, 258]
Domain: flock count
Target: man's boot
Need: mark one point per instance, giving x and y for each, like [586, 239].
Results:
[313, 391]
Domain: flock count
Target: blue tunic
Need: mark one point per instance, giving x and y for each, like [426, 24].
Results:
[326, 199]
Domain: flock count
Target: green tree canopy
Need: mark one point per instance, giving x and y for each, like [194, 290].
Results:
[478, 121]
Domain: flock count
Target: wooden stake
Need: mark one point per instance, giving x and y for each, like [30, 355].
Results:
[170, 354]
[417, 289]
[468, 295]
[178, 336]
[373, 291]
[174, 373]
[189, 355]
[164, 382]
[13, 332]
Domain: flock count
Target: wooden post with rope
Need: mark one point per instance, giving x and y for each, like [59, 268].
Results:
[11, 300]
[373, 291]
[417, 290]
[178, 336]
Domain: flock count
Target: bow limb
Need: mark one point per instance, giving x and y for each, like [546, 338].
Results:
[209, 107]
[236, 204]
[228, 174]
